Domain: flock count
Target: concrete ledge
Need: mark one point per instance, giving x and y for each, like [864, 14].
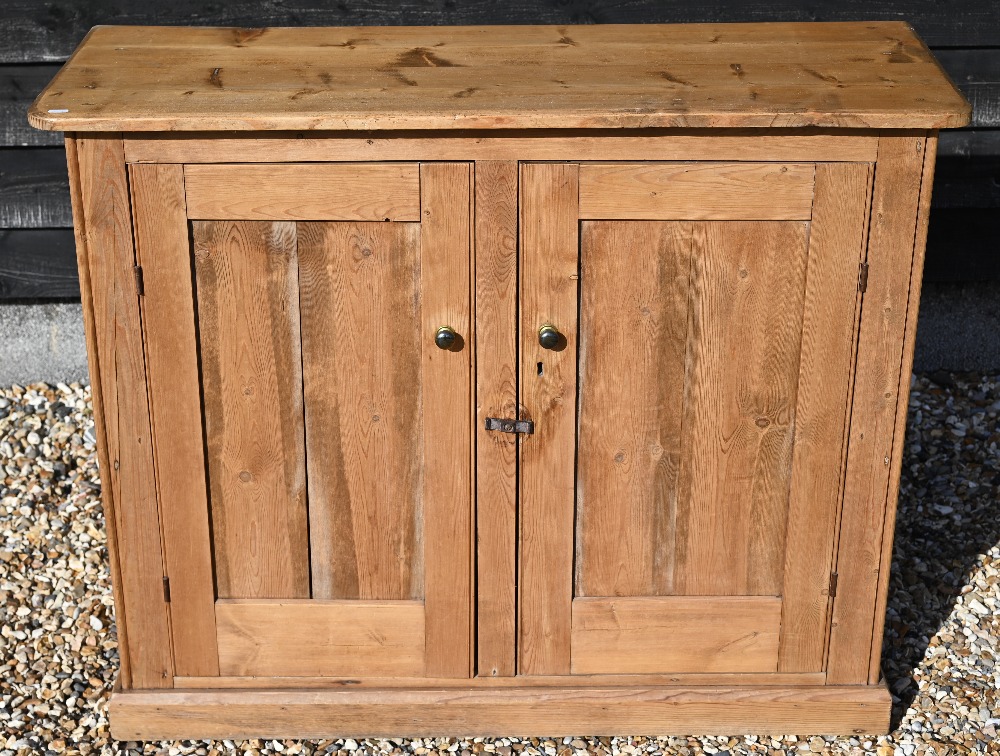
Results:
[42, 342]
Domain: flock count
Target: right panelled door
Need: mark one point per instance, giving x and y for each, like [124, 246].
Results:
[679, 497]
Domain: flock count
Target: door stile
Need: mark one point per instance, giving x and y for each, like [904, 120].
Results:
[495, 295]
[445, 259]
[473, 347]
[836, 248]
[549, 232]
[164, 254]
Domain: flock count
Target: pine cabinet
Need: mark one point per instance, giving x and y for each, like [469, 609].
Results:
[455, 383]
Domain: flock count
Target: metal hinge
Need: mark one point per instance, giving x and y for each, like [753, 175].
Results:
[510, 426]
[863, 278]
[139, 285]
[166, 590]
[833, 584]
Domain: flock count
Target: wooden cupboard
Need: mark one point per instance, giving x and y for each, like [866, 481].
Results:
[453, 386]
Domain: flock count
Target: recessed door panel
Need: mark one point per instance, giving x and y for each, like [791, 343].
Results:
[689, 340]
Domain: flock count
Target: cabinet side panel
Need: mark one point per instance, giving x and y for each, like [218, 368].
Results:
[445, 259]
[875, 404]
[163, 250]
[125, 406]
[836, 246]
[496, 376]
[549, 285]
[902, 403]
[96, 384]
[359, 285]
[248, 317]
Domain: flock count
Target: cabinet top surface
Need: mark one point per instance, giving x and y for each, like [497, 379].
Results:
[854, 75]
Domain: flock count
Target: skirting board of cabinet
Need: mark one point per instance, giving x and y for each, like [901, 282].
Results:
[235, 714]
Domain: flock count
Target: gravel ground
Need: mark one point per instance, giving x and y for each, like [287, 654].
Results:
[59, 648]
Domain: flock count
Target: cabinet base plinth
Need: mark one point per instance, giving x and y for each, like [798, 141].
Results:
[475, 711]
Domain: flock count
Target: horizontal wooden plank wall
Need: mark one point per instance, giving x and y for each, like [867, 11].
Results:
[38, 264]
[36, 247]
[18, 86]
[34, 189]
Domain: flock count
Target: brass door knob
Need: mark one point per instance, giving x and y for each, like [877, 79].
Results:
[445, 337]
[549, 337]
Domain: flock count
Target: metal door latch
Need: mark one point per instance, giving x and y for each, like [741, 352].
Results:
[510, 426]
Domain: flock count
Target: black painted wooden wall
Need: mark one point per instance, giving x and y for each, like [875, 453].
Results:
[36, 243]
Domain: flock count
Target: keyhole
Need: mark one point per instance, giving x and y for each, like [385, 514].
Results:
[541, 370]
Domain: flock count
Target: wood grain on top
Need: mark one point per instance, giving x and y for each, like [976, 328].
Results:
[866, 74]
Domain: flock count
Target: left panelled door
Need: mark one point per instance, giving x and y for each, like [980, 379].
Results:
[312, 441]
